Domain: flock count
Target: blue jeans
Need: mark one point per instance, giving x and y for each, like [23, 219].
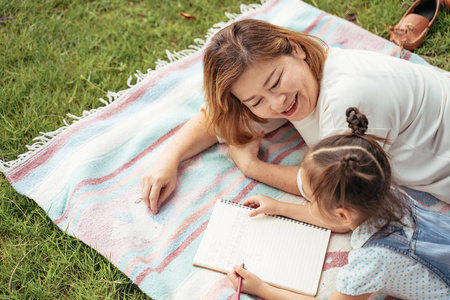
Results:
[429, 245]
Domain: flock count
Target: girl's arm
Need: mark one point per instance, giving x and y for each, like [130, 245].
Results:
[267, 205]
[278, 176]
[252, 284]
[159, 181]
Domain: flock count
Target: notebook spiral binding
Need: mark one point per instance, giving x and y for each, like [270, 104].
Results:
[274, 216]
[235, 204]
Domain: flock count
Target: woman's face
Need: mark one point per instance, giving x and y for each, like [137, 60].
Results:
[282, 87]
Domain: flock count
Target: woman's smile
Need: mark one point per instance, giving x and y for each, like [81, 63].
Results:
[292, 108]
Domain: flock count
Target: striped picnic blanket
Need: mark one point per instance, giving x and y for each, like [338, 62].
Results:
[86, 175]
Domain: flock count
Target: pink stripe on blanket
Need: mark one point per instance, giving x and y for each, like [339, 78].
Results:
[335, 260]
[326, 26]
[276, 144]
[94, 181]
[285, 153]
[315, 23]
[142, 276]
[181, 248]
[245, 191]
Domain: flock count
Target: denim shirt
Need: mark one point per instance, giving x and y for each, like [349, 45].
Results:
[429, 245]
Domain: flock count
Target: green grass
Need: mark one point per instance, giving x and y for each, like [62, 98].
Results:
[61, 56]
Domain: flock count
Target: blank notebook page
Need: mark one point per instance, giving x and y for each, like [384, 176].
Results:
[285, 253]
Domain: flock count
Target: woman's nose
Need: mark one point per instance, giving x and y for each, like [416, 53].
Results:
[278, 101]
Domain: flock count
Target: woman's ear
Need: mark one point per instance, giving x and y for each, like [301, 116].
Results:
[297, 50]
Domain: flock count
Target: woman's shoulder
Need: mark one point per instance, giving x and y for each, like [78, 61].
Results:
[345, 70]
[359, 62]
[350, 78]
[338, 52]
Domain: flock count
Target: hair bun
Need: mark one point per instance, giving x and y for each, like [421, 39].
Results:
[349, 161]
[357, 121]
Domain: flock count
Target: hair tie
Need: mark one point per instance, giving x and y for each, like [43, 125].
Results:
[357, 121]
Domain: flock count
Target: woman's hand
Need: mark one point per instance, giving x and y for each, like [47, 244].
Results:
[160, 180]
[263, 205]
[251, 284]
[158, 183]
[245, 155]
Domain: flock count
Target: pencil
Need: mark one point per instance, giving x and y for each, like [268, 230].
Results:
[239, 285]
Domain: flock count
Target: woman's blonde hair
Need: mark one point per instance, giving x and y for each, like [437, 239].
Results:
[230, 52]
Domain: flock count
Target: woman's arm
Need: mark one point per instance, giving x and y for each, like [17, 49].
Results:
[159, 181]
[278, 176]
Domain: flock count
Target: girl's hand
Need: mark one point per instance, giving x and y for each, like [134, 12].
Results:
[263, 205]
[245, 155]
[158, 183]
[251, 284]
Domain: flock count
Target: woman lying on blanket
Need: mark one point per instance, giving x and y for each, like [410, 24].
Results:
[399, 247]
[258, 76]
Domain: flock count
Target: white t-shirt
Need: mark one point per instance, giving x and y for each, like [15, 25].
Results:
[376, 269]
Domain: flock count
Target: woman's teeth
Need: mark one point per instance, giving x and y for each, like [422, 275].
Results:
[290, 107]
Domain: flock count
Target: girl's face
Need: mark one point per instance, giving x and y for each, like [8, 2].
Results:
[314, 211]
[282, 87]
[306, 192]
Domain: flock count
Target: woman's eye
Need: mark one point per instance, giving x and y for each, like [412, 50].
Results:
[256, 104]
[277, 83]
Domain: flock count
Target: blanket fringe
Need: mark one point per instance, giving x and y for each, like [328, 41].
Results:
[46, 137]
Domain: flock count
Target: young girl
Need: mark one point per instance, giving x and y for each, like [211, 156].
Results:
[260, 76]
[399, 247]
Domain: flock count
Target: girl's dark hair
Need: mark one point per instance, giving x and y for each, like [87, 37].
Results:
[353, 171]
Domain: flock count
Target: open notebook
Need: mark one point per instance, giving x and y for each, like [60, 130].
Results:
[283, 252]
